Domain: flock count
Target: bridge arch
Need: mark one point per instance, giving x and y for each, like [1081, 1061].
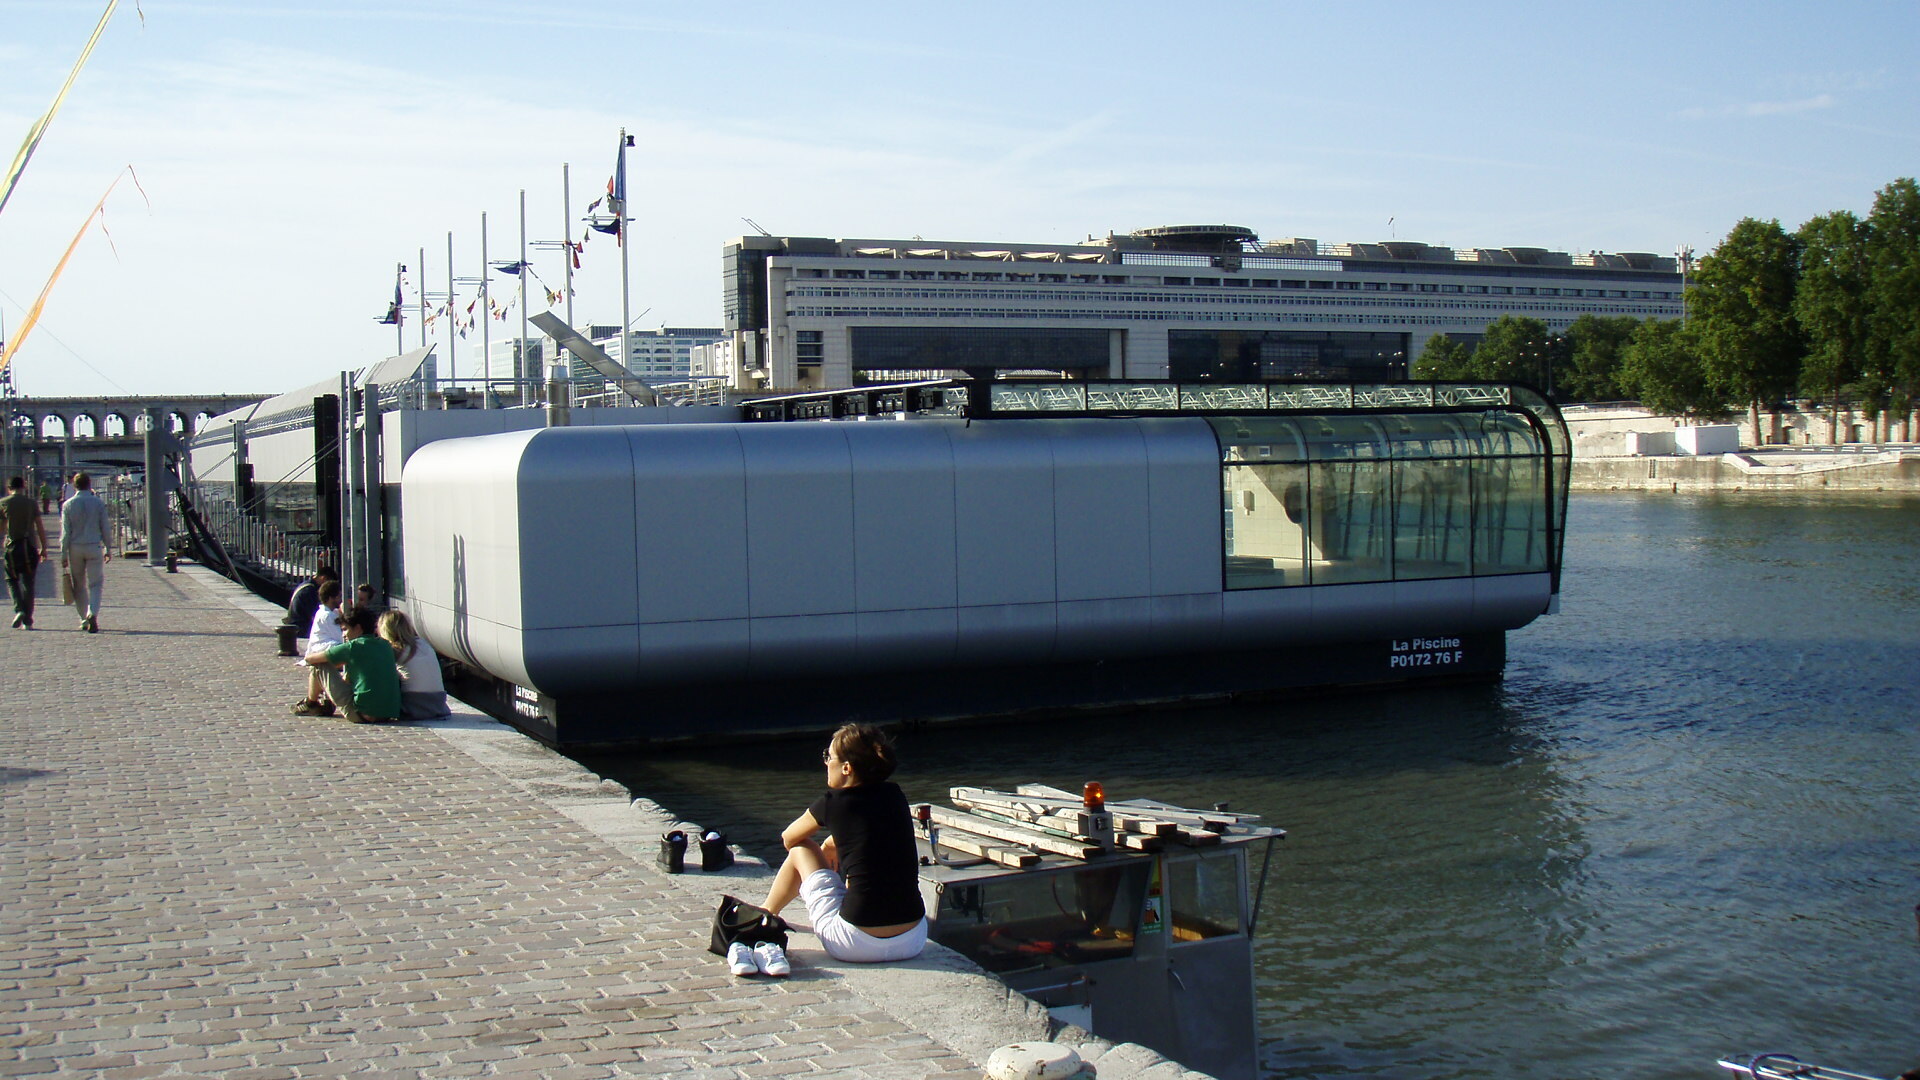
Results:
[54, 426]
[115, 426]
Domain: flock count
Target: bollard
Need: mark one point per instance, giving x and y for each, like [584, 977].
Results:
[287, 634]
[173, 563]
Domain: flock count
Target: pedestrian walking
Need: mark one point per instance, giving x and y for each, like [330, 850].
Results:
[83, 549]
[46, 499]
[26, 545]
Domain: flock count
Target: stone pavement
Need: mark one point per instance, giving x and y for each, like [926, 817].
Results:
[198, 883]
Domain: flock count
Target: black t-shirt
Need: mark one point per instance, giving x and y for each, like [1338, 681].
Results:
[873, 830]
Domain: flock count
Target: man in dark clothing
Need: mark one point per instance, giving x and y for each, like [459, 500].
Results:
[26, 545]
[306, 600]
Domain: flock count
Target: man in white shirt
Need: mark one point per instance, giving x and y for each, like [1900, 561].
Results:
[83, 549]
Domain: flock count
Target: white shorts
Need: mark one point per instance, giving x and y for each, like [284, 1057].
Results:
[823, 892]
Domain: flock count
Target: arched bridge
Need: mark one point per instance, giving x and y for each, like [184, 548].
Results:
[52, 434]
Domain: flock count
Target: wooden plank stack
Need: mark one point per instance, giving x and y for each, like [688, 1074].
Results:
[1015, 828]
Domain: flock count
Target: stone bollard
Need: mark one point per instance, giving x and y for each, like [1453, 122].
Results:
[1036, 1061]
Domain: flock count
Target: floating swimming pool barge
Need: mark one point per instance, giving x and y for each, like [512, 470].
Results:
[986, 548]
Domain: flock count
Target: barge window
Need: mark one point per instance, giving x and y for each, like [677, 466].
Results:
[1510, 527]
[1205, 897]
[1343, 498]
[1044, 919]
[1348, 503]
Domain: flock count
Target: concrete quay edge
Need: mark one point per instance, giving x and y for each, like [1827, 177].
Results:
[941, 994]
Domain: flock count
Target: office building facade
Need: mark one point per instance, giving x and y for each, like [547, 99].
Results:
[1193, 303]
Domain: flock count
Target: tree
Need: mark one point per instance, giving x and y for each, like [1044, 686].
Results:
[1445, 359]
[1830, 304]
[1660, 364]
[1892, 355]
[1593, 358]
[1741, 305]
[1517, 350]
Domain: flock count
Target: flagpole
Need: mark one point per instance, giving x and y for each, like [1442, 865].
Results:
[399, 311]
[566, 234]
[486, 318]
[620, 236]
[453, 330]
[526, 374]
[423, 297]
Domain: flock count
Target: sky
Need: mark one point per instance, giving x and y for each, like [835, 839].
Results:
[290, 155]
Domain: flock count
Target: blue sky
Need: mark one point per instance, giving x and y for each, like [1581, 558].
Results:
[293, 153]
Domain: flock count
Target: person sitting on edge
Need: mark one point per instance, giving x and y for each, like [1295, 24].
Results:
[305, 601]
[423, 695]
[862, 885]
[361, 675]
[364, 597]
[323, 633]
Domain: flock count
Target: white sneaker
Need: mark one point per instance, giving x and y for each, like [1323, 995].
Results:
[772, 959]
[740, 959]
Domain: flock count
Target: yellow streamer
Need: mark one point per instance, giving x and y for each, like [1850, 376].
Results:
[33, 313]
[39, 127]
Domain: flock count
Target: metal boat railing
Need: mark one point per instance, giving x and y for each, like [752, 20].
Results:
[1788, 1067]
[262, 546]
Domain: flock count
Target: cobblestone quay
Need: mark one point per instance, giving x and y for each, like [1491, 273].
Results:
[198, 883]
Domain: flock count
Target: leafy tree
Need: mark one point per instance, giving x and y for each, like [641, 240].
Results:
[1891, 372]
[1445, 359]
[1519, 350]
[1593, 358]
[1831, 305]
[1660, 364]
[1741, 305]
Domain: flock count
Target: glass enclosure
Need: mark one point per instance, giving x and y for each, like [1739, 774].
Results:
[1388, 496]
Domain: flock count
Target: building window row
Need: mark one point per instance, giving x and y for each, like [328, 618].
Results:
[989, 277]
[1143, 297]
[1553, 311]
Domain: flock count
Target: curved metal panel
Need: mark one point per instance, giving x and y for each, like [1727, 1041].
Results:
[575, 493]
[796, 646]
[1183, 507]
[903, 640]
[1103, 629]
[687, 490]
[1101, 521]
[1003, 513]
[1186, 623]
[692, 652]
[903, 514]
[461, 532]
[1511, 601]
[1005, 634]
[799, 520]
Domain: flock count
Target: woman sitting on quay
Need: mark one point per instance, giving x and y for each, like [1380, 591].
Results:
[423, 694]
[862, 885]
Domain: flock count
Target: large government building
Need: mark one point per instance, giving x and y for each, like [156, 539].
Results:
[1193, 303]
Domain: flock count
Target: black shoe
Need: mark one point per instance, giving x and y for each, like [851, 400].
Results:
[19, 622]
[93, 625]
[714, 852]
[673, 852]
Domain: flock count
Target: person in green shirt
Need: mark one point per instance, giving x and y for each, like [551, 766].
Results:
[362, 677]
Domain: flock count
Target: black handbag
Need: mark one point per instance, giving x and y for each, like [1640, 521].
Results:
[736, 920]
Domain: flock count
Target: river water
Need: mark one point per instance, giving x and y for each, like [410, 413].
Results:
[1686, 824]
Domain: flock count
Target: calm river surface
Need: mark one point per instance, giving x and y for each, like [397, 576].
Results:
[1686, 824]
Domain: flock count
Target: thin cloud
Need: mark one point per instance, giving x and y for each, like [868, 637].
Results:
[1762, 108]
